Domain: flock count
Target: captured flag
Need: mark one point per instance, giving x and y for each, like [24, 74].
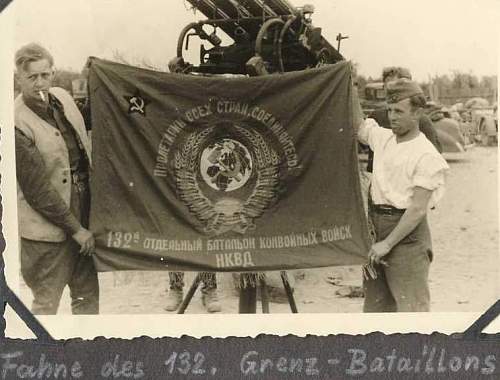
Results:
[224, 174]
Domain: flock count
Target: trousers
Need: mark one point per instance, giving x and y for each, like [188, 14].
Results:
[176, 280]
[47, 267]
[402, 286]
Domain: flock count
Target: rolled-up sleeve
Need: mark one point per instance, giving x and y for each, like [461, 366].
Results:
[430, 174]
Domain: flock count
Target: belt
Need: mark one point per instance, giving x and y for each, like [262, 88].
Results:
[387, 209]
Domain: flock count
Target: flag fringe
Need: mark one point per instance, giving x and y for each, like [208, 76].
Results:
[251, 279]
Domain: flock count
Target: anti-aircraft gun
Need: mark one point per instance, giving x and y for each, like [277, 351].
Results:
[268, 36]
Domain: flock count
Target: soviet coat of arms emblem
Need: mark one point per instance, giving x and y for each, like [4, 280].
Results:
[226, 176]
[226, 165]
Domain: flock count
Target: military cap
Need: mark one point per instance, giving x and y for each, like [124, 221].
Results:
[401, 89]
[400, 72]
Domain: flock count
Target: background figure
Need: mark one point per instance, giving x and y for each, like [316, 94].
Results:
[209, 295]
[381, 116]
[53, 163]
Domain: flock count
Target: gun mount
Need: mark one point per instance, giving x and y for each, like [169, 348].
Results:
[268, 36]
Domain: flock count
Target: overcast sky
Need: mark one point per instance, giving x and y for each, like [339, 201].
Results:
[428, 36]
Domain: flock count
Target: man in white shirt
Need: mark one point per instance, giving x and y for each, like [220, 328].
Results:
[408, 179]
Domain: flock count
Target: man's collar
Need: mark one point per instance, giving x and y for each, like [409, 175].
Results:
[46, 112]
[41, 109]
[407, 138]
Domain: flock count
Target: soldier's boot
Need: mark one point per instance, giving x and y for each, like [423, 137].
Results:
[174, 299]
[211, 300]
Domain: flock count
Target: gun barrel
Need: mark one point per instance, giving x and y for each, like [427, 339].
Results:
[236, 11]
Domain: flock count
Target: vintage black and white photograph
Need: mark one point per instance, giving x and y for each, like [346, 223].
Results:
[253, 157]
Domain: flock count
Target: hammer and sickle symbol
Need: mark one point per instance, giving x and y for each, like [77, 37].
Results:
[137, 104]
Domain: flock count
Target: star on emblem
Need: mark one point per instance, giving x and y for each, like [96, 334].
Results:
[137, 103]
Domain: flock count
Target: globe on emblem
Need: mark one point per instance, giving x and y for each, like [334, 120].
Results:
[226, 165]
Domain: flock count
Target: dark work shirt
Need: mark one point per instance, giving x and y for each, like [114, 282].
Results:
[32, 177]
[75, 151]
[381, 116]
[54, 115]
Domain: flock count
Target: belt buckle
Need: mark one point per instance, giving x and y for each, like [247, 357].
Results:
[384, 209]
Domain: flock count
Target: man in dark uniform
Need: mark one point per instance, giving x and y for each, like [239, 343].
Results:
[53, 164]
[381, 115]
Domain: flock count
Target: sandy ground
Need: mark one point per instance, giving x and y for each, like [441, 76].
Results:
[464, 274]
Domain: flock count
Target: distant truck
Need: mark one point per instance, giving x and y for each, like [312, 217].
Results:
[482, 119]
[450, 135]
[373, 97]
[485, 125]
[79, 88]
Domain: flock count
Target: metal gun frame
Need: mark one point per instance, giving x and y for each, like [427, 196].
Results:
[269, 36]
